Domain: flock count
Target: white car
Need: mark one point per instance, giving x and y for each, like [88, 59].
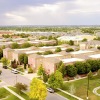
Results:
[14, 71]
[50, 90]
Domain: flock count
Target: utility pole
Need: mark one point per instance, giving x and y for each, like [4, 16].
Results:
[87, 87]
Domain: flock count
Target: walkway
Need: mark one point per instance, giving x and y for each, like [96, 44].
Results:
[95, 91]
[13, 93]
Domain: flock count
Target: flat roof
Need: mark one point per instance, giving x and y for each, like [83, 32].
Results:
[69, 60]
[29, 52]
[22, 49]
[95, 56]
[81, 51]
[52, 55]
[46, 47]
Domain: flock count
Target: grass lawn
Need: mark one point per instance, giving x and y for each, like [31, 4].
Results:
[65, 95]
[7, 95]
[80, 87]
[25, 96]
[98, 91]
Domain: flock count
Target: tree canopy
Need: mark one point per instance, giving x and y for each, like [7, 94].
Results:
[55, 80]
[37, 90]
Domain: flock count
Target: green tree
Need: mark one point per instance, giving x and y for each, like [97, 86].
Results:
[69, 50]
[58, 49]
[98, 47]
[23, 58]
[55, 80]
[62, 69]
[20, 87]
[71, 42]
[71, 70]
[15, 46]
[41, 70]
[90, 75]
[5, 61]
[82, 67]
[37, 89]
[98, 73]
[26, 45]
[1, 53]
[84, 40]
[48, 52]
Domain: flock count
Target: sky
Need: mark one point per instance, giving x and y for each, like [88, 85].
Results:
[49, 12]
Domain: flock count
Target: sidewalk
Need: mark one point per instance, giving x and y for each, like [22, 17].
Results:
[13, 93]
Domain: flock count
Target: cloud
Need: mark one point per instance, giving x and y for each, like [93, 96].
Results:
[55, 12]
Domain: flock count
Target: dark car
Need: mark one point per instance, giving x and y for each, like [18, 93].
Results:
[5, 67]
[50, 90]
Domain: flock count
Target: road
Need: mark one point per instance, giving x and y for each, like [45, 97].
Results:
[11, 79]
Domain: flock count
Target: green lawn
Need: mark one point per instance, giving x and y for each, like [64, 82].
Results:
[98, 91]
[80, 87]
[7, 95]
[25, 96]
[65, 95]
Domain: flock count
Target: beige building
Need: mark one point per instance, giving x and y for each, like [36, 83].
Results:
[8, 53]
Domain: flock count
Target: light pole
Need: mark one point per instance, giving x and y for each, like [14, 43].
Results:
[16, 78]
[87, 87]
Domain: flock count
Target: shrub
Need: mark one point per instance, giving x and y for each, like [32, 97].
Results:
[58, 49]
[71, 70]
[30, 70]
[20, 69]
[48, 52]
[69, 50]
[0, 71]
[98, 47]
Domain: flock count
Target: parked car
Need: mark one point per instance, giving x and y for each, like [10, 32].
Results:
[14, 71]
[5, 67]
[50, 90]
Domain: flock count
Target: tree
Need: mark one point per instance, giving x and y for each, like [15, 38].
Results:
[98, 73]
[69, 50]
[0, 72]
[20, 87]
[98, 47]
[5, 61]
[71, 42]
[90, 75]
[15, 46]
[84, 40]
[23, 58]
[62, 69]
[1, 53]
[55, 80]
[48, 52]
[82, 67]
[58, 49]
[40, 70]
[26, 45]
[37, 89]
[71, 70]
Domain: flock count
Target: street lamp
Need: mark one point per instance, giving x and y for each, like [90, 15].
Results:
[87, 86]
[16, 78]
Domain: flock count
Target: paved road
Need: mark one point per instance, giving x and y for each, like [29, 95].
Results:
[11, 79]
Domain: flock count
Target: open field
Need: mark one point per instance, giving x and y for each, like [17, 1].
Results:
[80, 88]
